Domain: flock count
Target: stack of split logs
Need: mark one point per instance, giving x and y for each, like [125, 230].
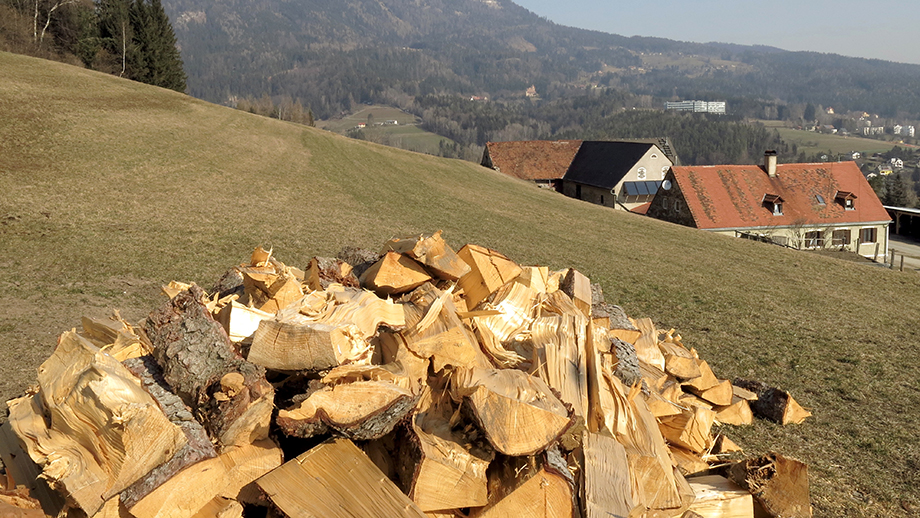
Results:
[417, 381]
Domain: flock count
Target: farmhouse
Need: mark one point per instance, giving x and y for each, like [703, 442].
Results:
[803, 206]
[616, 174]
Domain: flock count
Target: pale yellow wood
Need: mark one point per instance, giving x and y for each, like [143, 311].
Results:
[220, 508]
[92, 428]
[687, 461]
[690, 429]
[515, 303]
[581, 291]
[241, 322]
[678, 361]
[794, 413]
[450, 472]
[705, 381]
[489, 270]
[244, 464]
[738, 413]
[607, 486]
[544, 495]
[394, 274]
[336, 480]
[432, 251]
[535, 278]
[647, 344]
[654, 482]
[719, 394]
[185, 493]
[743, 393]
[559, 343]
[445, 340]
[518, 412]
[717, 497]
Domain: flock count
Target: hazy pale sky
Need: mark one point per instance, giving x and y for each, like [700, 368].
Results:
[881, 29]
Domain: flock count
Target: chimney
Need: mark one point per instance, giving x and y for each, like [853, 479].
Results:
[769, 162]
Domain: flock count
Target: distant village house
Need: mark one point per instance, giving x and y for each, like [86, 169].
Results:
[803, 206]
[618, 174]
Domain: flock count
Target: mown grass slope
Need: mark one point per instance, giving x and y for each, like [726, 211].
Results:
[110, 188]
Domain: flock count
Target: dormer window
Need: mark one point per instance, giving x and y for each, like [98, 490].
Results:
[774, 203]
[846, 199]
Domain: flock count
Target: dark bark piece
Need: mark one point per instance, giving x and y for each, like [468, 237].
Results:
[196, 356]
[360, 259]
[362, 410]
[231, 282]
[578, 287]
[197, 448]
[323, 271]
[627, 362]
[778, 483]
[772, 403]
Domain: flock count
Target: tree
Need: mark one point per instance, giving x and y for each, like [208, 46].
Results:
[155, 59]
[809, 112]
[896, 192]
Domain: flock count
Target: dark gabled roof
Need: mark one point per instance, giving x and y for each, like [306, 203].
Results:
[732, 196]
[604, 164]
[532, 159]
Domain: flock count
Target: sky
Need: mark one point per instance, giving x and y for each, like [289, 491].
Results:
[879, 29]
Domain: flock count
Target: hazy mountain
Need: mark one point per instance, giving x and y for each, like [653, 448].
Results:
[332, 54]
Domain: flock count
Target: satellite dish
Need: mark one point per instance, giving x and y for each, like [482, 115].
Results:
[666, 185]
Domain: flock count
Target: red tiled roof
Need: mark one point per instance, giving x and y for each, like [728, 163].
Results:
[732, 196]
[533, 159]
[641, 209]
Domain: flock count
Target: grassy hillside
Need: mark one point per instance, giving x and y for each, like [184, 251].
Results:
[812, 142]
[111, 188]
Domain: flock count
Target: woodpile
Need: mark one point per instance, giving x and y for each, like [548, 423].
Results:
[416, 381]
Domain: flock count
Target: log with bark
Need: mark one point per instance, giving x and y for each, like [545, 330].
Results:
[779, 484]
[228, 394]
[772, 403]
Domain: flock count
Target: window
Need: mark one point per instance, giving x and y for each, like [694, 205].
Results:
[814, 239]
[841, 237]
[654, 156]
[846, 199]
[848, 204]
[578, 192]
[664, 203]
[602, 199]
[867, 235]
[820, 199]
[777, 209]
[664, 170]
[640, 173]
[677, 206]
[774, 203]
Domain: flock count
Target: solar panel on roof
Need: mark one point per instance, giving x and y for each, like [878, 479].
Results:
[642, 188]
[631, 189]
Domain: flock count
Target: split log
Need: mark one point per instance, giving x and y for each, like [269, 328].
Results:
[441, 468]
[394, 274]
[578, 287]
[544, 495]
[738, 413]
[518, 413]
[489, 270]
[772, 403]
[620, 325]
[678, 361]
[16, 503]
[228, 476]
[559, 344]
[688, 462]
[324, 271]
[514, 305]
[268, 284]
[725, 445]
[115, 336]
[25, 472]
[395, 353]
[647, 344]
[325, 329]
[240, 321]
[220, 508]
[362, 410]
[718, 497]
[655, 483]
[92, 427]
[197, 447]
[230, 394]
[433, 330]
[336, 480]
[690, 429]
[431, 251]
[607, 486]
[778, 483]
[705, 381]
[719, 394]
[535, 278]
